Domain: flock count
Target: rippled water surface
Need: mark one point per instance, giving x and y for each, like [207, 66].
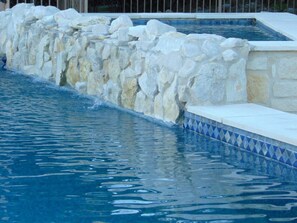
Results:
[65, 159]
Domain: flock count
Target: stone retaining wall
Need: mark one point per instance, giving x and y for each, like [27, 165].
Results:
[150, 69]
[272, 79]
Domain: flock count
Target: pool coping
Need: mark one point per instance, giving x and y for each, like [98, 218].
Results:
[283, 22]
[260, 130]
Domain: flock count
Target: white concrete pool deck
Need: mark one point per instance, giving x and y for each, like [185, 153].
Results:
[253, 118]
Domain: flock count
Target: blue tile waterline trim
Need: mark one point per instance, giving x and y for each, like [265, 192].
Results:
[257, 144]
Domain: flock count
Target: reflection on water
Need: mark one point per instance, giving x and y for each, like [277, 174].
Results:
[62, 159]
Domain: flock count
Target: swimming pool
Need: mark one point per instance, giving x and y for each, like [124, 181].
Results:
[65, 158]
[249, 29]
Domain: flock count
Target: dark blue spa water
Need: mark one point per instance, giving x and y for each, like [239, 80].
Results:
[249, 29]
[64, 158]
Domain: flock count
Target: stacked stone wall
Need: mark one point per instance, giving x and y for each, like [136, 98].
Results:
[272, 79]
[151, 69]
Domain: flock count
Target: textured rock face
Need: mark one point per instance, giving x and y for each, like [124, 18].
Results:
[151, 69]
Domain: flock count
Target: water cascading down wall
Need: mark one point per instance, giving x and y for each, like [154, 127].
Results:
[149, 69]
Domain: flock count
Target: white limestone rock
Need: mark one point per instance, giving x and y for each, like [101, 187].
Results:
[96, 62]
[47, 22]
[139, 102]
[188, 68]
[182, 91]
[144, 104]
[124, 57]
[156, 28]
[170, 103]
[111, 92]
[83, 21]
[211, 48]
[229, 55]
[72, 72]
[84, 68]
[44, 42]
[65, 17]
[92, 83]
[137, 31]
[123, 34]
[148, 84]
[129, 91]
[171, 41]
[39, 12]
[158, 107]
[99, 47]
[165, 79]
[145, 45]
[152, 60]
[137, 63]
[172, 61]
[47, 70]
[106, 52]
[233, 42]
[208, 86]
[191, 47]
[236, 83]
[99, 29]
[19, 12]
[114, 70]
[121, 22]
[127, 73]
[75, 50]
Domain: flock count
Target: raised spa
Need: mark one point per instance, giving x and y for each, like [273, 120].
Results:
[249, 29]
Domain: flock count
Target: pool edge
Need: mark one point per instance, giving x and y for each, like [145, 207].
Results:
[273, 149]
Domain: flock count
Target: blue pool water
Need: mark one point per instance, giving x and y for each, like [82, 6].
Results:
[249, 29]
[64, 158]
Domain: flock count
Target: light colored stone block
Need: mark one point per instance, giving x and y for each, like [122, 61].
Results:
[284, 104]
[256, 62]
[258, 87]
[287, 68]
[285, 89]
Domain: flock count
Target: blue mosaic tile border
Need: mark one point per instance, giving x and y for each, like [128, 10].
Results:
[260, 145]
